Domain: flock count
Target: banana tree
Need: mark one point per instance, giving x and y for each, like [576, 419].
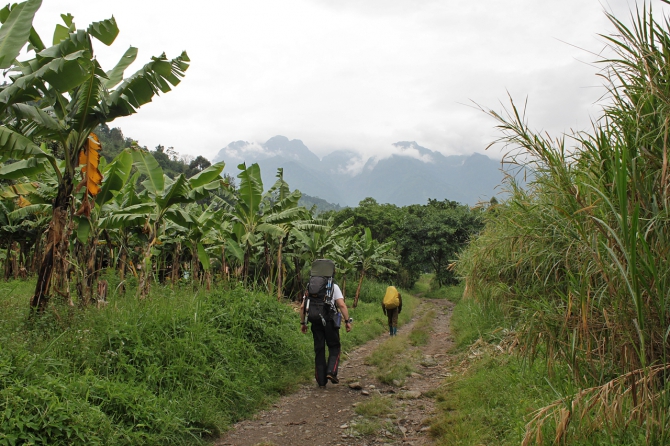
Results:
[246, 215]
[28, 192]
[372, 256]
[200, 225]
[61, 94]
[114, 176]
[162, 195]
[281, 215]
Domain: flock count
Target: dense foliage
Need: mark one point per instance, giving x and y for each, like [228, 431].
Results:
[427, 237]
[579, 257]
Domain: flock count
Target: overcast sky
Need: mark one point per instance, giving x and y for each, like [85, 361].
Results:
[354, 74]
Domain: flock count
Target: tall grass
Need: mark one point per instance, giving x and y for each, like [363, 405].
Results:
[579, 257]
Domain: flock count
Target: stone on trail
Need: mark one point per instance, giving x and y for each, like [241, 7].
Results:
[355, 385]
[428, 361]
[365, 392]
[409, 395]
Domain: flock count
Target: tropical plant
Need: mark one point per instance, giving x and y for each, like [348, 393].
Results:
[61, 94]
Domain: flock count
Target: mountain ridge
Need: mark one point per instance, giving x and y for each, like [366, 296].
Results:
[410, 175]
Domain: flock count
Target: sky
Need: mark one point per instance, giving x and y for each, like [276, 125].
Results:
[355, 74]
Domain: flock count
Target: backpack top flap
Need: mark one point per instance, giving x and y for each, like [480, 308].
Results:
[323, 267]
[318, 287]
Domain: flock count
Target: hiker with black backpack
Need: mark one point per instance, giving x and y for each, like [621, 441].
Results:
[392, 306]
[323, 307]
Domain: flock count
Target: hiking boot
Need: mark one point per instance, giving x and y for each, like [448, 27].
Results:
[333, 379]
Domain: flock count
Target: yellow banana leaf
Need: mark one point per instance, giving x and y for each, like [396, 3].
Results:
[89, 158]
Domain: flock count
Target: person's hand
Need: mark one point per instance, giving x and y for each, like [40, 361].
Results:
[303, 328]
[347, 325]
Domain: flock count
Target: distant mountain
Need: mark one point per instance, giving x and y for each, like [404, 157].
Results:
[319, 204]
[412, 175]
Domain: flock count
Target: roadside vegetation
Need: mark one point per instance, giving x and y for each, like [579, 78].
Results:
[571, 273]
[176, 368]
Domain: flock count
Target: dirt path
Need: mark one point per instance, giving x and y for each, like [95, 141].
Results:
[315, 417]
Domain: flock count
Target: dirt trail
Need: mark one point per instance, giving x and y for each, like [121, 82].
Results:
[315, 417]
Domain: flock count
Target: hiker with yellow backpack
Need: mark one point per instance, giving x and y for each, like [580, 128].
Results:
[392, 306]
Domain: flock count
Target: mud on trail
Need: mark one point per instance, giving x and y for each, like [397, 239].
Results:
[315, 417]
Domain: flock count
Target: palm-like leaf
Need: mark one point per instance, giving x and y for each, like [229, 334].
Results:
[16, 29]
[141, 87]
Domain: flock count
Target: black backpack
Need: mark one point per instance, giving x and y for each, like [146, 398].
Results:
[319, 305]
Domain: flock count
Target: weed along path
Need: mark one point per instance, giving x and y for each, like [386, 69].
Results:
[383, 396]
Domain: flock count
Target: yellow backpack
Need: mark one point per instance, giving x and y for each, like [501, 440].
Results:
[391, 298]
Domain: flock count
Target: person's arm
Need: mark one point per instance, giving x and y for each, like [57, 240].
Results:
[384, 308]
[345, 313]
[400, 303]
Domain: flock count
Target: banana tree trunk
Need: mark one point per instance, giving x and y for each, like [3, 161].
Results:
[280, 276]
[175, 264]
[268, 267]
[298, 275]
[358, 290]
[36, 252]
[144, 284]
[122, 269]
[56, 247]
[245, 268]
[224, 265]
[8, 260]
[89, 273]
[195, 267]
[23, 258]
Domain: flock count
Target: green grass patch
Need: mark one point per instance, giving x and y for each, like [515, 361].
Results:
[377, 406]
[454, 293]
[422, 285]
[489, 404]
[373, 413]
[473, 319]
[393, 360]
[420, 333]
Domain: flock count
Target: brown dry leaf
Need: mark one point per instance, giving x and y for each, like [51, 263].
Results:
[22, 202]
[89, 157]
[85, 208]
[562, 426]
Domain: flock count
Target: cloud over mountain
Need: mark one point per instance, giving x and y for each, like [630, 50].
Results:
[406, 174]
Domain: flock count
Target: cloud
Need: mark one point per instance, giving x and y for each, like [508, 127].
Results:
[354, 166]
[356, 75]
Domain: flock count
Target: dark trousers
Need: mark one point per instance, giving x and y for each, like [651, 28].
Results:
[326, 335]
[392, 316]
